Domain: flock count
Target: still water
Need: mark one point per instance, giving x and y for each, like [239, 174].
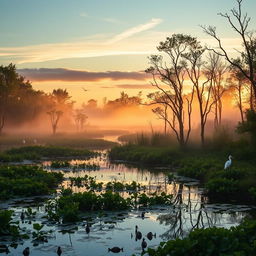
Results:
[190, 210]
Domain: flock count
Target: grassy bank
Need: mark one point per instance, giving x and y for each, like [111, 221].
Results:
[38, 152]
[79, 141]
[18, 181]
[239, 182]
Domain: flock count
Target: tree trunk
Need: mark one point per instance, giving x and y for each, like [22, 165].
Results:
[54, 128]
[202, 131]
[2, 120]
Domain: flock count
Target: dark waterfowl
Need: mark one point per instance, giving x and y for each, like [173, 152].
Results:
[150, 235]
[115, 249]
[26, 251]
[59, 251]
[143, 215]
[22, 216]
[144, 244]
[87, 228]
[138, 234]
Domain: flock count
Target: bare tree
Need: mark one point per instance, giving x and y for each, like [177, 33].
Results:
[202, 81]
[80, 119]
[169, 80]
[60, 103]
[54, 117]
[218, 69]
[245, 63]
[240, 84]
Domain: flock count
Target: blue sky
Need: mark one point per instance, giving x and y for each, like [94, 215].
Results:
[48, 21]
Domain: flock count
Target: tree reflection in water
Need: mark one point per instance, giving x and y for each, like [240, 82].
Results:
[190, 210]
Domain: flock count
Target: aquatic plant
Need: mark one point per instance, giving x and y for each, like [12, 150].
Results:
[60, 164]
[38, 234]
[26, 181]
[215, 241]
[6, 228]
[154, 199]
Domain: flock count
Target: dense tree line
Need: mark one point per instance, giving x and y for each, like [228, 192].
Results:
[20, 103]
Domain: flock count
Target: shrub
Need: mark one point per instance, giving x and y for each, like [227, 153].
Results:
[221, 187]
[238, 241]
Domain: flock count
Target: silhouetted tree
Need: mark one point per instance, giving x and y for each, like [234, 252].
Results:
[246, 62]
[202, 78]
[169, 80]
[80, 119]
[218, 69]
[18, 101]
[240, 84]
[55, 117]
[60, 103]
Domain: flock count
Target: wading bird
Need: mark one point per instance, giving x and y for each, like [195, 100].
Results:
[228, 163]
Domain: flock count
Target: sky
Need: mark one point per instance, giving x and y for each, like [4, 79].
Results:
[101, 45]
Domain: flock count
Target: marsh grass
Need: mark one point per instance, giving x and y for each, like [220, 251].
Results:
[205, 164]
[38, 152]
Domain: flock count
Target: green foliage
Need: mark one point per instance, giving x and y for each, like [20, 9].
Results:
[29, 213]
[60, 164]
[249, 125]
[252, 192]
[154, 199]
[6, 228]
[144, 155]
[69, 212]
[69, 206]
[37, 152]
[222, 187]
[198, 167]
[26, 181]
[239, 241]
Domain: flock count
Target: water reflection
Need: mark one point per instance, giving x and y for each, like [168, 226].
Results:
[190, 210]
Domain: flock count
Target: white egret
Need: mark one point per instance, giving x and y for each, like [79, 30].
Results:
[228, 163]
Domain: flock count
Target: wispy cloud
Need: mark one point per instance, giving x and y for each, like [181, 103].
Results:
[86, 48]
[61, 74]
[135, 30]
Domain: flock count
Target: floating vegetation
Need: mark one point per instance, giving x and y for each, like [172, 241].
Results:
[69, 207]
[27, 181]
[6, 227]
[58, 164]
